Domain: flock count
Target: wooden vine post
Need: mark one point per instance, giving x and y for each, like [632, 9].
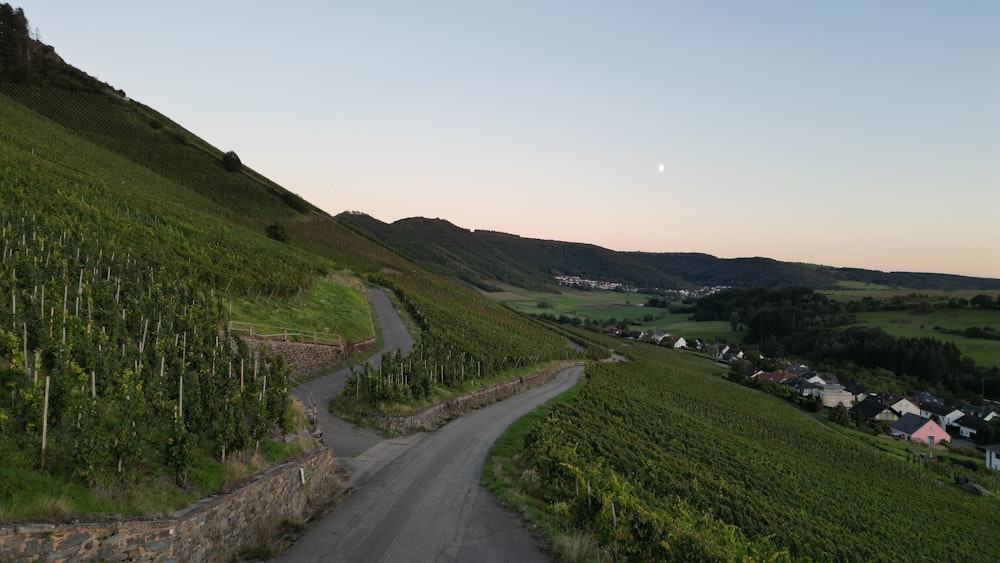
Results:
[45, 420]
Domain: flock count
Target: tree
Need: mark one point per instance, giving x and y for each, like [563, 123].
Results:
[232, 162]
[277, 232]
[983, 301]
[840, 415]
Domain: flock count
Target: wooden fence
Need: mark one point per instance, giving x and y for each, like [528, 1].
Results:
[286, 334]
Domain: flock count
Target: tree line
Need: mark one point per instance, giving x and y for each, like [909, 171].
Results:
[809, 325]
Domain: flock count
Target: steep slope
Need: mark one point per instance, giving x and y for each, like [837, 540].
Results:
[122, 234]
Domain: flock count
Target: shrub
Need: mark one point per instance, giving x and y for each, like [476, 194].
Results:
[232, 162]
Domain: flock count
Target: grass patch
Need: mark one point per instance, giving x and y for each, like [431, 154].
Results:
[333, 305]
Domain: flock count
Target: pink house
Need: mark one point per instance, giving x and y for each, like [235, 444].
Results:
[915, 428]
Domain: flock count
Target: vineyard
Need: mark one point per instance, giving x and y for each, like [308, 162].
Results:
[656, 459]
[149, 139]
[115, 359]
[464, 340]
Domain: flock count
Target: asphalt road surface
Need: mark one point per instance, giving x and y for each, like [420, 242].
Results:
[418, 498]
[344, 438]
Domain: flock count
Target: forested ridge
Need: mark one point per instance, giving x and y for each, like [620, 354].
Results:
[801, 323]
[485, 259]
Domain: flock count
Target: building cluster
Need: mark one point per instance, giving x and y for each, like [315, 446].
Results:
[576, 281]
[679, 294]
[921, 418]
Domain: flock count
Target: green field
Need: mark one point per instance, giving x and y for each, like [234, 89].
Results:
[909, 324]
[598, 305]
[604, 305]
[854, 291]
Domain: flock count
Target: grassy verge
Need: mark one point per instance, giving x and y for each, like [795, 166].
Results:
[345, 406]
[514, 487]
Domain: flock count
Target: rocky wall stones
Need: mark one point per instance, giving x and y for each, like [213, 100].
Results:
[214, 529]
[437, 414]
[307, 359]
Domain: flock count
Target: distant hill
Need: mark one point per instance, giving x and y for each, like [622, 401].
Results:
[488, 258]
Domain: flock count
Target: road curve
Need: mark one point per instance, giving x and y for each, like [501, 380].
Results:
[425, 503]
[419, 503]
[344, 438]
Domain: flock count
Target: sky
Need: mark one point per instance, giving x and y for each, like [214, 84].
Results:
[846, 133]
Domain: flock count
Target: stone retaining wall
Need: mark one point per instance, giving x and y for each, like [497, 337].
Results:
[439, 413]
[307, 359]
[214, 529]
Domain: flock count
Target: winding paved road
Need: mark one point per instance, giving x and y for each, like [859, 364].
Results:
[419, 503]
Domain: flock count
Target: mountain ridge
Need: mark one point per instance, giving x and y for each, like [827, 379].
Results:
[475, 256]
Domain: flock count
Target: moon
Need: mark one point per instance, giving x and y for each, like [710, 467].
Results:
[661, 167]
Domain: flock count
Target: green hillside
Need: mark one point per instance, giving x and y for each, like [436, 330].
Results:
[126, 243]
[660, 459]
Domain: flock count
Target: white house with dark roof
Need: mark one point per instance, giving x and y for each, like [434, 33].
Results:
[993, 456]
[984, 413]
[903, 406]
[968, 426]
[942, 413]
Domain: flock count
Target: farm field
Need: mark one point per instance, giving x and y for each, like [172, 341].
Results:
[855, 291]
[604, 305]
[908, 324]
[658, 458]
[575, 303]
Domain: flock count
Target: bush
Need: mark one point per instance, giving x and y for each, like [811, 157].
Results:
[232, 162]
[277, 231]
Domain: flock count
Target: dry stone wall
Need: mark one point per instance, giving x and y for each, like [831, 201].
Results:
[439, 413]
[308, 359]
[215, 529]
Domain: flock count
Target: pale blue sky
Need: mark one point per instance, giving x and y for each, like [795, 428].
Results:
[839, 132]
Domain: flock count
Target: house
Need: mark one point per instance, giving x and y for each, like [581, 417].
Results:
[777, 376]
[968, 426]
[730, 356]
[800, 370]
[926, 397]
[916, 428]
[805, 387]
[941, 412]
[984, 413]
[833, 394]
[873, 409]
[680, 342]
[992, 456]
[859, 391]
[903, 406]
